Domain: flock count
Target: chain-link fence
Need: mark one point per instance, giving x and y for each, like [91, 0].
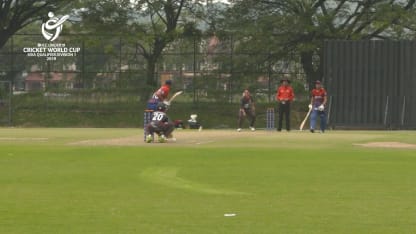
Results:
[372, 83]
[207, 69]
[5, 103]
[108, 74]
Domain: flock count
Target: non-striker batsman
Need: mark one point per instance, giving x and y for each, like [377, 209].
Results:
[318, 103]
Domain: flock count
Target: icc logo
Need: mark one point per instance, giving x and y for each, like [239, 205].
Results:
[54, 23]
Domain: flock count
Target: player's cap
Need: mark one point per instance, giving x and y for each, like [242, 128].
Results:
[318, 82]
[285, 79]
[168, 82]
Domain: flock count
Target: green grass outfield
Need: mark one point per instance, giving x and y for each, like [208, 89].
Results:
[109, 181]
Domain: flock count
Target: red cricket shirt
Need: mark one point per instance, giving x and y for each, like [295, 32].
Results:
[318, 96]
[162, 93]
[285, 93]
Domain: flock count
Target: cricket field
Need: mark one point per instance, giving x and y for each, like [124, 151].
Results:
[211, 181]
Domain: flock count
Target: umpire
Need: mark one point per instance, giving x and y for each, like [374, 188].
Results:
[284, 98]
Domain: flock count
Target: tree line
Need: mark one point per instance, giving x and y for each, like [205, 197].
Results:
[279, 28]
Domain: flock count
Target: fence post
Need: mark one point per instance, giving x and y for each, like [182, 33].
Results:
[11, 80]
[194, 71]
[10, 103]
[269, 74]
[12, 60]
[403, 110]
[329, 111]
[83, 63]
[386, 111]
[120, 54]
[230, 79]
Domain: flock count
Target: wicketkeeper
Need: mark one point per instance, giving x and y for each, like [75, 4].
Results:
[318, 102]
[247, 110]
[160, 124]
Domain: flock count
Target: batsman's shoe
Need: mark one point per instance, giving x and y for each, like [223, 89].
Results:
[149, 138]
[252, 129]
[238, 129]
[162, 139]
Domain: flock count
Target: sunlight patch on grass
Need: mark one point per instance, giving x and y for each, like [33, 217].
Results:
[167, 176]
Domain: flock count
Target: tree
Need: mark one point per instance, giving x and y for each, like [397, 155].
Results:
[301, 26]
[151, 24]
[15, 14]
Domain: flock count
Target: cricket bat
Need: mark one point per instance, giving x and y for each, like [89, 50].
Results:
[304, 120]
[174, 96]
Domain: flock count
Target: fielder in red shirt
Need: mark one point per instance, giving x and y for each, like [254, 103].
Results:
[284, 97]
[318, 102]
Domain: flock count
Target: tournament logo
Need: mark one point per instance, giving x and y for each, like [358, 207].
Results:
[53, 24]
[50, 50]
